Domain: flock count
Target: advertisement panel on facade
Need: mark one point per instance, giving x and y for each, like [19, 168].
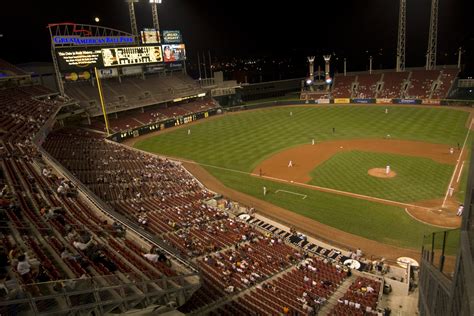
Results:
[383, 101]
[431, 102]
[150, 36]
[323, 101]
[79, 58]
[363, 101]
[342, 100]
[172, 37]
[174, 52]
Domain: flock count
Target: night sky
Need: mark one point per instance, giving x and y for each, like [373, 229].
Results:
[354, 29]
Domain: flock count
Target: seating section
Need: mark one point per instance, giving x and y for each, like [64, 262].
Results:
[61, 234]
[360, 299]
[7, 70]
[342, 86]
[446, 81]
[421, 82]
[132, 92]
[367, 84]
[392, 84]
[66, 237]
[135, 118]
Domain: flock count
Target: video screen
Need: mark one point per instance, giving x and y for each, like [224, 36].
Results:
[174, 52]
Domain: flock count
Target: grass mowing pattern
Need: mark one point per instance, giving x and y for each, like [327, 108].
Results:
[387, 224]
[417, 178]
[242, 140]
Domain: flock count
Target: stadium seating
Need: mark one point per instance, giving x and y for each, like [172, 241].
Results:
[421, 83]
[132, 92]
[59, 231]
[360, 299]
[342, 86]
[367, 84]
[126, 120]
[392, 84]
[445, 83]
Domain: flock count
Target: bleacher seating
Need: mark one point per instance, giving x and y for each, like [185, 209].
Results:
[392, 84]
[446, 81]
[421, 82]
[342, 86]
[367, 84]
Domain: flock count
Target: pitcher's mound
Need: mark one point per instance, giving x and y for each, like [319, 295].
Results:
[380, 173]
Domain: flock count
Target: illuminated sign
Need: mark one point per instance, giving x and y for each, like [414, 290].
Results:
[97, 40]
[172, 37]
[150, 36]
[174, 52]
[73, 59]
[131, 55]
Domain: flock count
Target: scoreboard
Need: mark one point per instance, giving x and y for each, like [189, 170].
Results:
[123, 56]
[170, 54]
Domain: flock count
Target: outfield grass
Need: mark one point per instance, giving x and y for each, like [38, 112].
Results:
[417, 178]
[240, 141]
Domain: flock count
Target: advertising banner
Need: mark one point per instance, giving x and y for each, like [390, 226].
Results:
[174, 52]
[150, 36]
[342, 100]
[135, 70]
[383, 101]
[79, 58]
[108, 73]
[407, 101]
[431, 101]
[363, 101]
[172, 37]
[323, 101]
[131, 55]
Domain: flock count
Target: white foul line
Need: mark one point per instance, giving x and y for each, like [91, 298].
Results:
[457, 165]
[303, 195]
[460, 172]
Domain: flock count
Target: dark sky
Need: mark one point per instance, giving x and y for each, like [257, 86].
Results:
[251, 27]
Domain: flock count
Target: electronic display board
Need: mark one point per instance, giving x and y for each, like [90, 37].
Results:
[172, 37]
[150, 36]
[174, 52]
[122, 56]
[79, 58]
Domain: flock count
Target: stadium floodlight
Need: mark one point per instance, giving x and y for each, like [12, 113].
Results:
[96, 19]
[328, 80]
[309, 81]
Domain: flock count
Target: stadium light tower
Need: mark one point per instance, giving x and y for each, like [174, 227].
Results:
[433, 38]
[327, 59]
[402, 19]
[154, 11]
[311, 67]
[133, 20]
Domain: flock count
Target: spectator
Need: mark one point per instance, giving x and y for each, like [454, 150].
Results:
[82, 246]
[24, 268]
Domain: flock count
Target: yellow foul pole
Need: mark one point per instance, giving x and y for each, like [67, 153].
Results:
[99, 87]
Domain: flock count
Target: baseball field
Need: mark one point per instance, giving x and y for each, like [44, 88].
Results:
[340, 181]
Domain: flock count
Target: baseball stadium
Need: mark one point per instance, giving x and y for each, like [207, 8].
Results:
[128, 187]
